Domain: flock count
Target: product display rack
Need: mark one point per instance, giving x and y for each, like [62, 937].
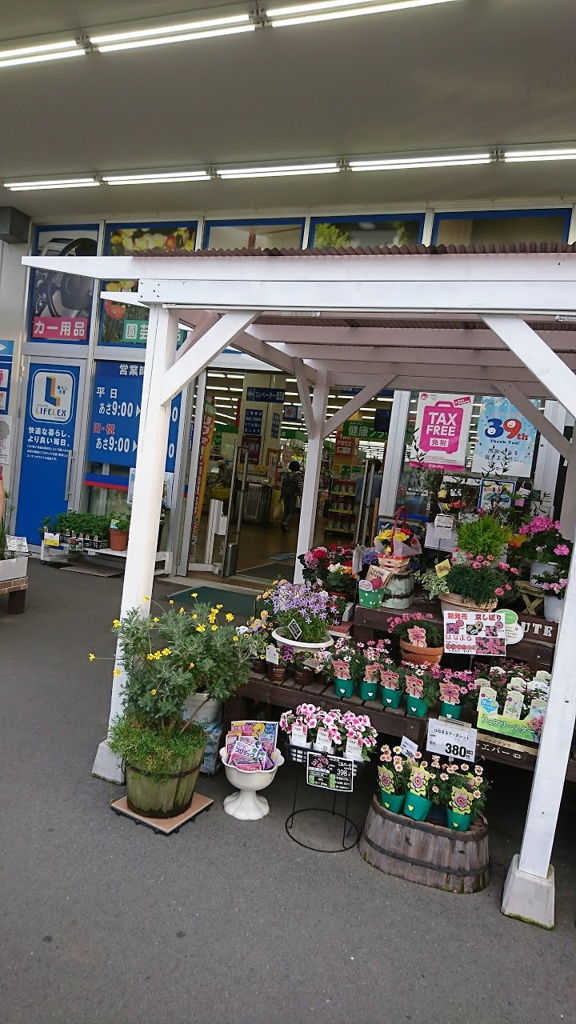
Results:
[341, 511]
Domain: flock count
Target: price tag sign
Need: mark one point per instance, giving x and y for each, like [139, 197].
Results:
[299, 735]
[325, 771]
[353, 750]
[295, 629]
[52, 540]
[323, 741]
[513, 630]
[443, 568]
[272, 656]
[451, 739]
[408, 747]
[17, 544]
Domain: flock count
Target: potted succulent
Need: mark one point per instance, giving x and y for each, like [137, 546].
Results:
[394, 773]
[302, 614]
[166, 659]
[420, 640]
[119, 529]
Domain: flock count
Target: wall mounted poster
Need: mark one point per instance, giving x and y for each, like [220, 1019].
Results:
[506, 440]
[482, 633]
[60, 304]
[441, 431]
[125, 324]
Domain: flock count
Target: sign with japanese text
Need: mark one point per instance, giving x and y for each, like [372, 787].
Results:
[344, 445]
[253, 446]
[275, 428]
[123, 324]
[60, 304]
[48, 445]
[441, 431]
[506, 440]
[203, 465]
[355, 428]
[115, 416]
[496, 494]
[453, 739]
[291, 412]
[253, 421]
[482, 633]
[6, 353]
[325, 771]
[275, 395]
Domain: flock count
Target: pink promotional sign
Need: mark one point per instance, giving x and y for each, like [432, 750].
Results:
[441, 432]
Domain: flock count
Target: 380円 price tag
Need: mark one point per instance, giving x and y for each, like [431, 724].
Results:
[451, 739]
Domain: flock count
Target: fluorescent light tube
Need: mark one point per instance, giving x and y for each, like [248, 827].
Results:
[33, 186]
[154, 179]
[170, 30]
[413, 163]
[183, 38]
[38, 58]
[278, 171]
[512, 156]
[329, 10]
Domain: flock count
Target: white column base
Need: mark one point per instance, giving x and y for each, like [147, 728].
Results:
[107, 765]
[528, 897]
[246, 805]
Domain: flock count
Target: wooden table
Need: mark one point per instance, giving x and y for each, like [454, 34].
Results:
[16, 590]
[536, 649]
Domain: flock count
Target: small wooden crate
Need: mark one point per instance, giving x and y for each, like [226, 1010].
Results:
[425, 853]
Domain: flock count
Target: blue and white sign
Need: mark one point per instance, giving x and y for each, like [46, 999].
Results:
[115, 416]
[275, 395]
[6, 352]
[275, 428]
[506, 440]
[49, 426]
[253, 421]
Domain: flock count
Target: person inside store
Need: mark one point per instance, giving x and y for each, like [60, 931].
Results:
[290, 492]
[221, 481]
[371, 494]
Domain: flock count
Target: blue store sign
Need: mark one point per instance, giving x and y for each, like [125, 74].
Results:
[49, 427]
[115, 418]
[6, 352]
[275, 395]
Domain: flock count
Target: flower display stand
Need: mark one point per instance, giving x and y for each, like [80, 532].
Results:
[429, 854]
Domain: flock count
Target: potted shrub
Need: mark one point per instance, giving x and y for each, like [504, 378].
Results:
[166, 659]
[483, 536]
[420, 640]
[474, 583]
[543, 545]
[394, 773]
[302, 614]
[119, 529]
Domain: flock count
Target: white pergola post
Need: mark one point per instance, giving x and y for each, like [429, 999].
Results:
[146, 504]
[568, 510]
[312, 473]
[548, 458]
[395, 453]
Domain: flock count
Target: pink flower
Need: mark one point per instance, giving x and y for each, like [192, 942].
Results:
[499, 592]
[562, 549]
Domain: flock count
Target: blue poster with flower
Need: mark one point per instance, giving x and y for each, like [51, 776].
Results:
[506, 440]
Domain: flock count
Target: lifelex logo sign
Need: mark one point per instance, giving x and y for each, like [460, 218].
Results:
[52, 396]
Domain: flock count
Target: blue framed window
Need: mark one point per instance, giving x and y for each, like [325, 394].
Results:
[264, 233]
[367, 230]
[60, 304]
[501, 227]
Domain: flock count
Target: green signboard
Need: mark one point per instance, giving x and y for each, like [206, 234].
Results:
[363, 431]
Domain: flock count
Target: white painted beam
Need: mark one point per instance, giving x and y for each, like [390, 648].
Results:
[223, 333]
[395, 453]
[206, 320]
[547, 458]
[304, 392]
[338, 354]
[535, 417]
[355, 403]
[261, 350]
[408, 338]
[309, 501]
[546, 366]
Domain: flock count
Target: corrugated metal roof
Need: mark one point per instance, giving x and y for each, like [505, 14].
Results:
[384, 250]
[269, 320]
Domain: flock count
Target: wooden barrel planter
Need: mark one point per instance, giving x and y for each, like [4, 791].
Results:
[425, 853]
[165, 799]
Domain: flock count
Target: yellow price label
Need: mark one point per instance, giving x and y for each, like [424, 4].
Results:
[443, 568]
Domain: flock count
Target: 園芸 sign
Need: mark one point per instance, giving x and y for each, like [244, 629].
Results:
[275, 428]
[115, 419]
[274, 395]
[441, 431]
[506, 440]
[467, 632]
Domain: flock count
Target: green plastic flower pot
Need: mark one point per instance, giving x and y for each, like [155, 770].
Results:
[367, 691]
[416, 706]
[391, 698]
[457, 820]
[393, 801]
[371, 598]
[450, 710]
[417, 807]
[344, 687]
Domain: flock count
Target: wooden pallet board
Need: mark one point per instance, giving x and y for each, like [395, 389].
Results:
[165, 826]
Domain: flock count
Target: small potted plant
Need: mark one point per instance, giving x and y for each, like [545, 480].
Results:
[393, 684]
[465, 795]
[543, 544]
[554, 586]
[358, 737]
[456, 690]
[300, 726]
[419, 795]
[345, 665]
[422, 689]
[484, 536]
[474, 583]
[166, 659]
[119, 529]
[376, 656]
[302, 614]
[394, 773]
[420, 640]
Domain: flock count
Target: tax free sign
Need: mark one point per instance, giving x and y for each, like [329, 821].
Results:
[441, 431]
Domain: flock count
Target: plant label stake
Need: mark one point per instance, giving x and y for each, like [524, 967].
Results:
[295, 629]
[272, 656]
[407, 747]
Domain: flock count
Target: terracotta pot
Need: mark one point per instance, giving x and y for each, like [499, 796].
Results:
[118, 540]
[276, 673]
[258, 666]
[420, 655]
[453, 602]
[303, 676]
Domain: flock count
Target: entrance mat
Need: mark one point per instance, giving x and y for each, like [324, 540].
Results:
[267, 572]
[91, 570]
[284, 556]
[234, 601]
[165, 826]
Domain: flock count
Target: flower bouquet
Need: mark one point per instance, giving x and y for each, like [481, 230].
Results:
[396, 544]
[394, 773]
[420, 640]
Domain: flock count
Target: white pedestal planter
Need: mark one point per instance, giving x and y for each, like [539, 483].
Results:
[299, 645]
[13, 568]
[246, 804]
[553, 608]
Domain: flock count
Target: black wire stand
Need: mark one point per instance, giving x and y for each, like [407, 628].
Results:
[350, 831]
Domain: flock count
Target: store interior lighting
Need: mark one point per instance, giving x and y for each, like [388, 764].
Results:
[278, 170]
[175, 177]
[38, 186]
[413, 162]
[331, 10]
[515, 156]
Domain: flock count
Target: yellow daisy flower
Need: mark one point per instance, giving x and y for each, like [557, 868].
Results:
[166, 652]
[191, 664]
[115, 623]
[153, 692]
[170, 602]
[201, 628]
[219, 606]
[155, 619]
[145, 598]
[235, 638]
[92, 657]
[194, 616]
[150, 657]
[229, 617]
[214, 628]
[116, 672]
[193, 595]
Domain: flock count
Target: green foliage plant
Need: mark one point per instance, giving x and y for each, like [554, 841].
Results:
[482, 536]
